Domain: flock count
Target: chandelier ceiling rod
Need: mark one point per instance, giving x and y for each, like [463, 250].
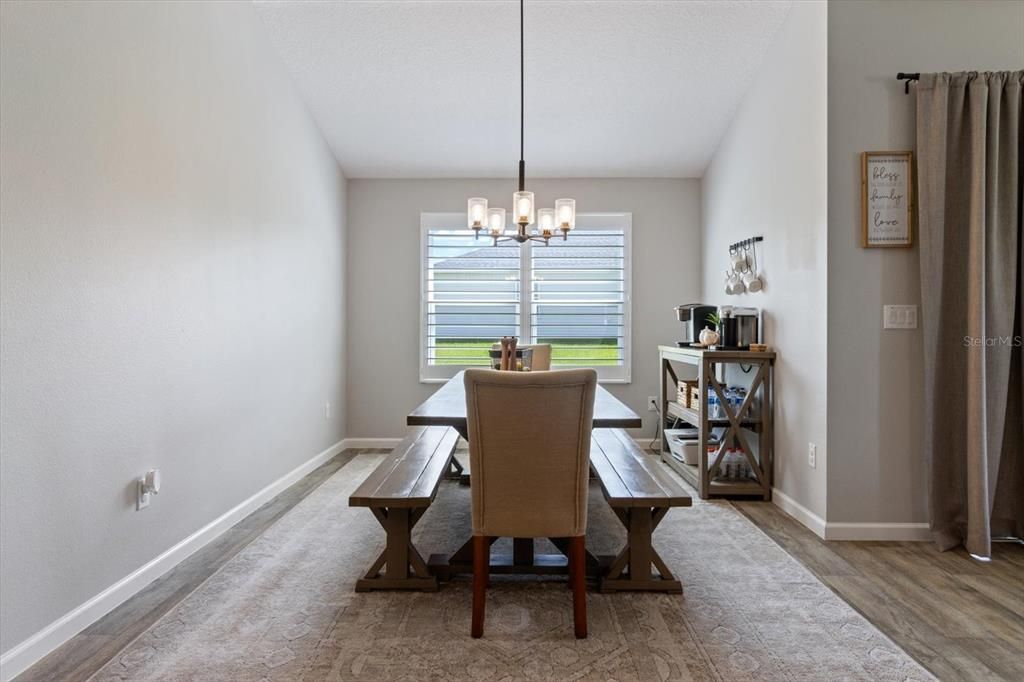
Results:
[546, 221]
[522, 101]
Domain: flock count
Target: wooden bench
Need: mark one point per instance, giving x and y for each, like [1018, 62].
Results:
[398, 492]
[640, 492]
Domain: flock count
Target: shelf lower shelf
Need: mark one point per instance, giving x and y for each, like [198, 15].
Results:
[691, 474]
[692, 416]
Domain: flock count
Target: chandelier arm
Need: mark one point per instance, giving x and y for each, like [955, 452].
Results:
[530, 238]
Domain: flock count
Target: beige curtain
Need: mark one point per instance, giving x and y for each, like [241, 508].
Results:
[969, 137]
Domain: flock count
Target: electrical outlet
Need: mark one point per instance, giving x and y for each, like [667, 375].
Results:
[142, 498]
[812, 455]
[652, 403]
[148, 486]
[327, 410]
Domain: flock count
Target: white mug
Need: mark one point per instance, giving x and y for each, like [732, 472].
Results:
[737, 257]
[734, 285]
[752, 281]
[748, 263]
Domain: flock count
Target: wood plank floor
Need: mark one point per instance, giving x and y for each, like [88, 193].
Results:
[960, 618]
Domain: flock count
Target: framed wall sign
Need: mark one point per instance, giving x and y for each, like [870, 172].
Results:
[887, 199]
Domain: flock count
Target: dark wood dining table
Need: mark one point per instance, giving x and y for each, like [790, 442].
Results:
[447, 407]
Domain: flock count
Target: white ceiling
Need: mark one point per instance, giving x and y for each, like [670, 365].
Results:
[424, 88]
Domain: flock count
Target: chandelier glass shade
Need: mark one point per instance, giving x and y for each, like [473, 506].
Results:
[477, 213]
[565, 214]
[495, 222]
[523, 212]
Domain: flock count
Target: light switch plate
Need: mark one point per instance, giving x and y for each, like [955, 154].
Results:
[899, 317]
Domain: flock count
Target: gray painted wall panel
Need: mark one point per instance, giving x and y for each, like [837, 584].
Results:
[877, 471]
[172, 287]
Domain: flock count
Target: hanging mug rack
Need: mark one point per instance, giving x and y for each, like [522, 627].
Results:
[743, 275]
[750, 241]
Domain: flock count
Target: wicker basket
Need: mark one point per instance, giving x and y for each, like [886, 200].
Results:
[686, 390]
[524, 359]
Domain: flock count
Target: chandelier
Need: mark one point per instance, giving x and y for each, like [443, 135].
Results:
[545, 221]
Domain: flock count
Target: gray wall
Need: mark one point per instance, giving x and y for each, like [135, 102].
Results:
[876, 467]
[172, 286]
[384, 270]
[768, 178]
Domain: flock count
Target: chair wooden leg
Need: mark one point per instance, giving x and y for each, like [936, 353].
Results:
[578, 578]
[481, 568]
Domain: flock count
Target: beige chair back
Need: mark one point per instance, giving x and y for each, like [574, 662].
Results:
[529, 451]
[541, 359]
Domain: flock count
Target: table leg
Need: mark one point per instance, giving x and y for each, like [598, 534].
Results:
[524, 561]
[522, 551]
[455, 470]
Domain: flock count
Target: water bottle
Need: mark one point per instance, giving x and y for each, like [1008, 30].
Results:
[741, 396]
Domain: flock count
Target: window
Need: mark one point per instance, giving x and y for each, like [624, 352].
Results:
[577, 296]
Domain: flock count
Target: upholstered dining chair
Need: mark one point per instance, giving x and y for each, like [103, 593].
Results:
[529, 453]
[541, 360]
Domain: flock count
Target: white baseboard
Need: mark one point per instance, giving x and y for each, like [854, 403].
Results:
[22, 656]
[815, 523]
[840, 530]
[903, 532]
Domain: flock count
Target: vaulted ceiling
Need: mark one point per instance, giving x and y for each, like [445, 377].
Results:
[424, 88]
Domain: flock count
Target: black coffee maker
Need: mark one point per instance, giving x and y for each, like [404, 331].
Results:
[738, 327]
[694, 318]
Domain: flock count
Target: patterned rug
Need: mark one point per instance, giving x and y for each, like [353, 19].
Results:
[284, 609]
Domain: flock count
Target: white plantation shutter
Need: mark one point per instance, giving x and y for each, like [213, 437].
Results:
[578, 300]
[471, 298]
[577, 296]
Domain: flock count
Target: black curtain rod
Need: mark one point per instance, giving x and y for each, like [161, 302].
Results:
[907, 77]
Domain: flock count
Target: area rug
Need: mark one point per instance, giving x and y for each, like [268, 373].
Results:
[284, 609]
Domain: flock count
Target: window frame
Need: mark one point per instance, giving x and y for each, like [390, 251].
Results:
[606, 374]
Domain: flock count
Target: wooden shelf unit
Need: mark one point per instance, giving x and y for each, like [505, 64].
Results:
[707, 364]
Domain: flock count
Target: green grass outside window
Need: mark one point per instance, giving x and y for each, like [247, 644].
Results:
[584, 352]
